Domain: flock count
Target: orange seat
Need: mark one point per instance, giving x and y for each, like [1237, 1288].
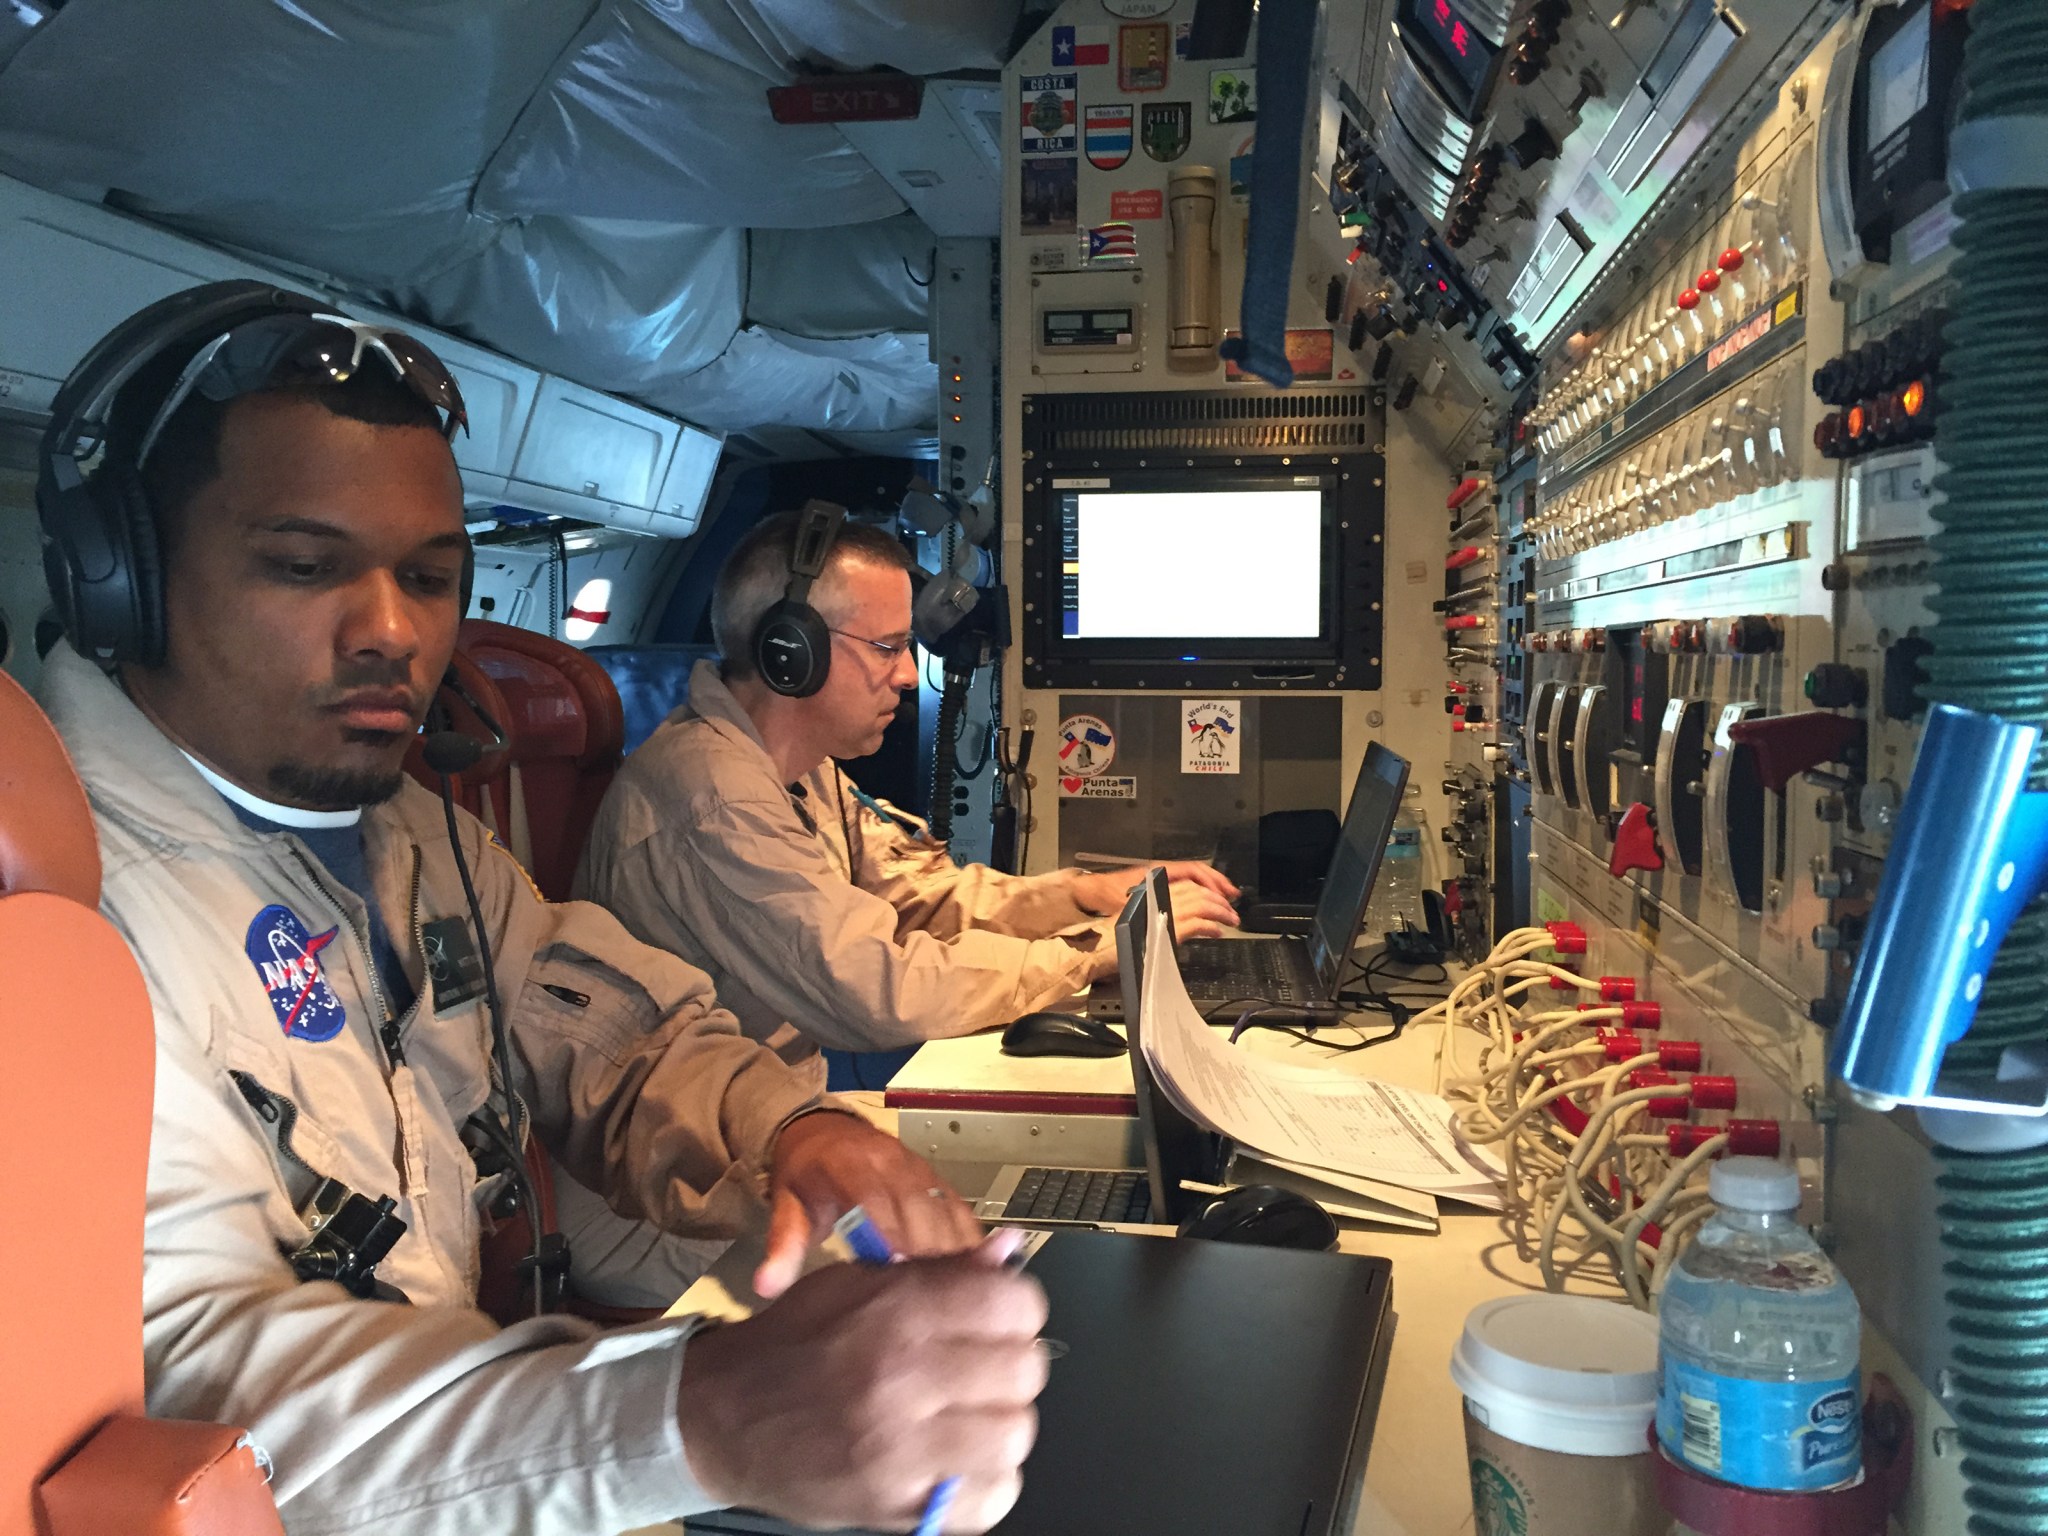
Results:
[76, 1456]
[568, 736]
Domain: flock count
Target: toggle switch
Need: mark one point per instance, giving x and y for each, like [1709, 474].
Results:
[1787, 745]
[1635, 843]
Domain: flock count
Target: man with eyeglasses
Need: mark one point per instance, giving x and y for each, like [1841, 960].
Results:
[825, 917]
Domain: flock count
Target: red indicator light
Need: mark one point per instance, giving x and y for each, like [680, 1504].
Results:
[1913, 398]
[1458, 38]
[1858, 420]
[1442, 286]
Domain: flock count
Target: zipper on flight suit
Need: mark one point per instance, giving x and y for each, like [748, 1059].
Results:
[391, 1031]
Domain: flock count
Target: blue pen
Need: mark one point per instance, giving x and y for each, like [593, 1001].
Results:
[870, 1247]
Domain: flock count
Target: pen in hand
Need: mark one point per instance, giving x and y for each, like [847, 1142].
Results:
[868, 1246]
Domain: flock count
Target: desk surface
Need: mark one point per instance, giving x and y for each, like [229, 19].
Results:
[1416, 1481]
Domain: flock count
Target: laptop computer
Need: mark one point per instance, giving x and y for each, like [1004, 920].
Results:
[1299, 973]
[1206, 1389]
[1148, 1199]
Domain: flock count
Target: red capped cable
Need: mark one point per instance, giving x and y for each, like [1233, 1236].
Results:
[1680, 1055]
[1753, 1138]
[1713, 1092]
[1684, 1140]
[1633, 1015]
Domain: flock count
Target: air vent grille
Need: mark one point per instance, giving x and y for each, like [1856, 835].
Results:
[1202, 423]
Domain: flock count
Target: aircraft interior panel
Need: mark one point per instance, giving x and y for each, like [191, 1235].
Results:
[1625, 411]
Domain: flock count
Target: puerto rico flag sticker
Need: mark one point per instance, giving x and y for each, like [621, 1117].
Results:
[290, 963]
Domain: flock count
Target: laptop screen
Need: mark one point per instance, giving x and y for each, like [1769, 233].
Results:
[1355, 865]
[1175, 1147]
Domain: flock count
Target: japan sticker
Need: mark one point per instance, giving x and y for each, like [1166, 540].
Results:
[288, 961]
[1087, 746]
[1210, 737]
[1047, 114]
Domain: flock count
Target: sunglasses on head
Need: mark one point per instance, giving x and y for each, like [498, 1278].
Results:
[257, 355]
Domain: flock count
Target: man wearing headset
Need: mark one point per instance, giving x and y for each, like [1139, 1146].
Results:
[826, 918]
[252, 516]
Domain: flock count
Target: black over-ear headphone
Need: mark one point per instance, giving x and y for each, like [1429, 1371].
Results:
[792, 646]
[100, 550]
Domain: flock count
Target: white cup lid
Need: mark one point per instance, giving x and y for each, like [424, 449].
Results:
[1561, 1373]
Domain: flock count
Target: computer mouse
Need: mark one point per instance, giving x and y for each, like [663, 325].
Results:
[1266, 1215]
[1061, 1034]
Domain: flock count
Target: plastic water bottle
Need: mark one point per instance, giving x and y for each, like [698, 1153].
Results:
[1397, 893]
[1758, 1343]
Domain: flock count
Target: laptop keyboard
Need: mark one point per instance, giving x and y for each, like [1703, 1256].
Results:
[1231, 968]
[1080, 1194]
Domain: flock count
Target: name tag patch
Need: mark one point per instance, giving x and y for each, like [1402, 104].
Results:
[289, 963]
[454, 968]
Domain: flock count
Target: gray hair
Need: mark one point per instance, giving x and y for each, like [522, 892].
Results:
[756, 575]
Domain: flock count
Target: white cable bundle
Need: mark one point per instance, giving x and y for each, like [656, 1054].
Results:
[1531, 1063]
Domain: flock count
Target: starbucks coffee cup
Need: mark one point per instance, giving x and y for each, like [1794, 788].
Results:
[1559, 1395]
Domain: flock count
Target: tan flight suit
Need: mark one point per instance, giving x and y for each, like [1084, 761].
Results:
[821, 921]
[272, 1071]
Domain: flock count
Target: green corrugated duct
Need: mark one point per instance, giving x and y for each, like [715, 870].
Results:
[1991, 654]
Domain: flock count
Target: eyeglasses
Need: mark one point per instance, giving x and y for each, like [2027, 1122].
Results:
[254, 356]
[890, 649]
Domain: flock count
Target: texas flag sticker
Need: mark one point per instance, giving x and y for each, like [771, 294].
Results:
[289, 962]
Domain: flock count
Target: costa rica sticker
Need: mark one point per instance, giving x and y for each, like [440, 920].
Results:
[288, 961]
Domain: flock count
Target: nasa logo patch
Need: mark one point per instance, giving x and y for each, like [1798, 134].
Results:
[288, 963]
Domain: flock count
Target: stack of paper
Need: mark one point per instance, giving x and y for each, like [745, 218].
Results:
[1334, 1126]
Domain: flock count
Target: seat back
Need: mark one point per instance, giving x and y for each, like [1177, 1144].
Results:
[77, 1034]
[653, 682]
[567, 733]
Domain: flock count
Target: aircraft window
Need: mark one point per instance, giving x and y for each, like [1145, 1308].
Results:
[590, 609]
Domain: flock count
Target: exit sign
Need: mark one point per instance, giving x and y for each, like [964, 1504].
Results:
[848, 99]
